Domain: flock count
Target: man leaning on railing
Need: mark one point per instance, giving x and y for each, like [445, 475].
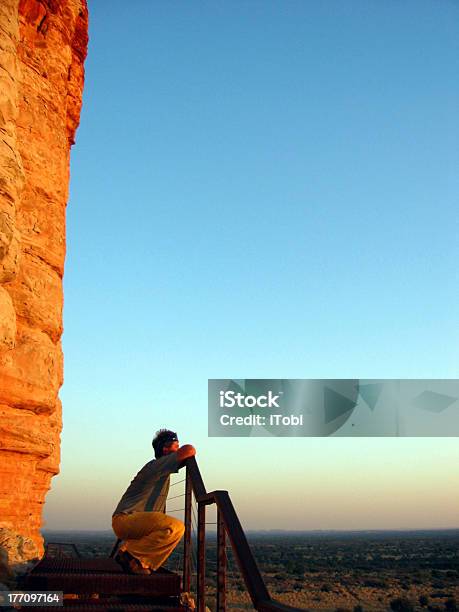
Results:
[148, 534]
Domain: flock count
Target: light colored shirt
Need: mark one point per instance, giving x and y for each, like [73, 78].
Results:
[149, 488]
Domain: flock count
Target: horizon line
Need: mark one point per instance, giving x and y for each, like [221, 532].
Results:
[275, 529]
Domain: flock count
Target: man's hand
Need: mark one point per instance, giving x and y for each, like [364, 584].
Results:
[186, 451]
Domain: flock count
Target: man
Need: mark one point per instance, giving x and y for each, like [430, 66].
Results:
[149, 535]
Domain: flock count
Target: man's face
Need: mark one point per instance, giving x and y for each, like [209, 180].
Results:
[171, 447]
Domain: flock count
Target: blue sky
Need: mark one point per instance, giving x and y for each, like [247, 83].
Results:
[258, 189]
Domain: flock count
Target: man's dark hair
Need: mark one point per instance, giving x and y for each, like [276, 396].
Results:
[161, 439]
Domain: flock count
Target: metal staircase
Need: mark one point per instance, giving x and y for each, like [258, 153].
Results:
[100, 584]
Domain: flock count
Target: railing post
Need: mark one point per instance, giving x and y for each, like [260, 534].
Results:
[221, 563]
[187, 536]
[201, 557]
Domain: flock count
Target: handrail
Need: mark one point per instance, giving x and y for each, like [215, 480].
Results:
[256, 587]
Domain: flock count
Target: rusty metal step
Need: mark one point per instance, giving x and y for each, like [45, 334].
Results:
[119, 607]
[98, 575]
[67, 565]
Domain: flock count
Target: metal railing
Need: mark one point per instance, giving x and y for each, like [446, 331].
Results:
[228, 524]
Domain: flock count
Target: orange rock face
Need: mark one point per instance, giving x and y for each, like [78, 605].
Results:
[43, 46]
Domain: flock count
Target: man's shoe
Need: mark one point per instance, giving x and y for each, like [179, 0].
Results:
[130, 564]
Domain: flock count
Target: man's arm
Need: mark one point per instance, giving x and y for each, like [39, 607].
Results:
[185, 451]
[172, 462]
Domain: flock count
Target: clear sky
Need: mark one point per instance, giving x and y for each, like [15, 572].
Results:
[261, 189]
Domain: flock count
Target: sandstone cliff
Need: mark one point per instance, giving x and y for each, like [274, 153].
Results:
[42, 50]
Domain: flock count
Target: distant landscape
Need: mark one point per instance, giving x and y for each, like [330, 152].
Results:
[327, 570]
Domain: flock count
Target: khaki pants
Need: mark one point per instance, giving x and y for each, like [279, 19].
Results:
[148, 536]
